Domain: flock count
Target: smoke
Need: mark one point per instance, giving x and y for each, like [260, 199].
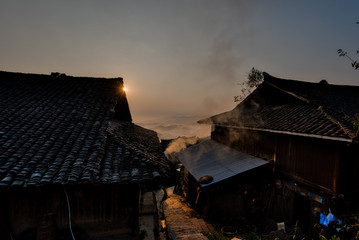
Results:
[181, 143]
[227, 34]
[223, 63]
[226, 58]
[202, 63]
[178, 145]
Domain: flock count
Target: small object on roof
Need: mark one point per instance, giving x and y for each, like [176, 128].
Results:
[205, 179]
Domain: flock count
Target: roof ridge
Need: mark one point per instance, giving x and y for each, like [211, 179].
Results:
[333, 120]
[54, 75]
[290, 93]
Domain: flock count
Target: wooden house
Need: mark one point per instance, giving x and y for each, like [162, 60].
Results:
[72, 163]
[308, 134]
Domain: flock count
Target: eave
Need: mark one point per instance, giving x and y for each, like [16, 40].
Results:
[289, 133]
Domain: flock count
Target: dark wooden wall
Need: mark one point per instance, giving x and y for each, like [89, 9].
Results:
[96, 211]
[349, 169]
[327, 164]
[314, 161]
[251, 142]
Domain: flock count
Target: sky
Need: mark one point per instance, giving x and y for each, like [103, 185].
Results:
[181, 60]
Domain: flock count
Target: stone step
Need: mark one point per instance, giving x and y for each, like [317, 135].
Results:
[148, 216]
[181, 221]
[148, 204]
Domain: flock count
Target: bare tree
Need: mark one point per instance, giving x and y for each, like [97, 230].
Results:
[355, 64]
[342, 53]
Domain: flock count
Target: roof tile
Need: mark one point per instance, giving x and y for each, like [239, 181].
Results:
[56, 130]
[278, 105]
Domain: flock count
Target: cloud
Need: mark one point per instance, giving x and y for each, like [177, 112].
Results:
[171, 127]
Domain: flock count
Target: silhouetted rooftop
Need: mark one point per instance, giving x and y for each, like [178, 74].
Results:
[62, 129]
[295, 107]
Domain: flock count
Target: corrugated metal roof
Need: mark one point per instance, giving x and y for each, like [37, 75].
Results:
[216, 160]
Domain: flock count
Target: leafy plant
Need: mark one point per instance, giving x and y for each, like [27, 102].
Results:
[215, 236]
[220, 236]
[357, 236]
[296, 233]
[254, 78]
[355, 122]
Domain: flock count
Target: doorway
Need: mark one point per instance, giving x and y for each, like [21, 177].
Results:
[301, 212]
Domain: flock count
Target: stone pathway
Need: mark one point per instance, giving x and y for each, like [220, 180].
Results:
[182, 222]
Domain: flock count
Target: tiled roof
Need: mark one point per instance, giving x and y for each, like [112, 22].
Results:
[133, 153]
[295, 107]
[56, 129]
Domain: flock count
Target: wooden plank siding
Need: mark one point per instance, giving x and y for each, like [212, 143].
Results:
[96, 211]
[318, 162]
[309, 160]
[251, 142]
